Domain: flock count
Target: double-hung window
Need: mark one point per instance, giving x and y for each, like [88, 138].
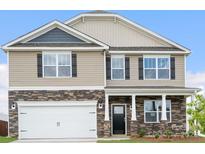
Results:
[57, 64]
[153, 111]
[118, 67]
[157, 67]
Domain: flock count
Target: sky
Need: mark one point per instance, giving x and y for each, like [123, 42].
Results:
[184, 27]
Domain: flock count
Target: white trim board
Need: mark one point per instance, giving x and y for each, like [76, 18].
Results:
[131, 23]
[150, 52]
[52, 48]
[53, 24]
[57, 103]
[57, 88]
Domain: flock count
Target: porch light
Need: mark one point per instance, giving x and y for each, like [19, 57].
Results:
[100, 105]
[13, 106]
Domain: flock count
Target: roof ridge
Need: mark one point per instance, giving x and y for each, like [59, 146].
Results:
[98, 12]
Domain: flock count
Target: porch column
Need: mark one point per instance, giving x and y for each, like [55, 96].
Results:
[133, 108]
[107, 108]
[164, 113]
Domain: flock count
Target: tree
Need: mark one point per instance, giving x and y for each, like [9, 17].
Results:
[196, 111]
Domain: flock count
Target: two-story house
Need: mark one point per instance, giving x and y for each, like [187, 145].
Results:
[95, 75]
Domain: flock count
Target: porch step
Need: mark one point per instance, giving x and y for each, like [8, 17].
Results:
[115, 138]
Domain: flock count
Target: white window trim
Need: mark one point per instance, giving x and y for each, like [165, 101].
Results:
[56, 53]
[158, 120]
[156, 58]
[118, 56]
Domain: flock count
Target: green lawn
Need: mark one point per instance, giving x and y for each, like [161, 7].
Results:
[6, 139]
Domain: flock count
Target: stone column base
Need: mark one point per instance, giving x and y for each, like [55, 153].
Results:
[107, 129]
[133, 128]
[164, 126]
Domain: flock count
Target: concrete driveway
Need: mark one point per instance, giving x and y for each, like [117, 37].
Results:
[56, 141]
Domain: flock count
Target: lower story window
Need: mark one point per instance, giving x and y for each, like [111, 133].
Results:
[153, 111]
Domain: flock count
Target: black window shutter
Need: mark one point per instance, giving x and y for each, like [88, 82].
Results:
[74, 65]
[140, 66]
[39, 65]
[127, 68]
[173, 68]
[108, 68]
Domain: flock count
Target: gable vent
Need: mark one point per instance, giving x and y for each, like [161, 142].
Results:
[56, 35]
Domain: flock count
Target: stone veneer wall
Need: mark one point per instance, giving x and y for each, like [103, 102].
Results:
[178, 106]
[178, 116]
[62, 95]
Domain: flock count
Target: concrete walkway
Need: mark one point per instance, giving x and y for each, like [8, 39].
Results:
[87, 140]
[115, 138]
[56, 141]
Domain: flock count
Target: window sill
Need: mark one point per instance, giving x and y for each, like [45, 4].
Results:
[157, 79]
[117, 79]
[57, 77]
[155, 122]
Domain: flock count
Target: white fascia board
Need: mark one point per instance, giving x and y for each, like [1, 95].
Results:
[56, 103]
[53, 88]
[52, 48]
[133, 24]
[150, 52]
[155, 91]
[61, 27]
[58, 24]
[148, 94]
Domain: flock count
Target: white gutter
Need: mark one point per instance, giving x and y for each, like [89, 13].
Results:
[150, 52]
[52, 48]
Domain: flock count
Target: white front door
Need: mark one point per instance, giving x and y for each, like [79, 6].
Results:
[76, 121]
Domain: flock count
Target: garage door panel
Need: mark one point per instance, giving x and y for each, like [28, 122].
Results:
[57, 122]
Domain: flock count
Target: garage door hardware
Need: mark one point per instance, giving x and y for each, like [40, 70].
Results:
[91, 112]
[92, 130]
[58, 124]
[23, 113]
[23, 130]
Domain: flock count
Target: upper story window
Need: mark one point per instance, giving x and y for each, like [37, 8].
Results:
[153, 111]
[118, 67]
[157, 67]
[57, 64]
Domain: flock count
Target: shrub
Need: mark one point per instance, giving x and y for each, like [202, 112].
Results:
[190, 133]
[156, 135]
[141, 132]
[168, 133]
[185, 135]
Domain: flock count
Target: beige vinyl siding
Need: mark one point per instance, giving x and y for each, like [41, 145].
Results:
[23, 70]
[134, 78]
[116, 32]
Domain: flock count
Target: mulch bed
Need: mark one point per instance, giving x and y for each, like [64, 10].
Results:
[174, 139]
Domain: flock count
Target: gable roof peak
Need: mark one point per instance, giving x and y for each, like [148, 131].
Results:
[98, 12]
[48, 27]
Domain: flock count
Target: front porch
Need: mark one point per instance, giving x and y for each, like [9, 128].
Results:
[158, 116]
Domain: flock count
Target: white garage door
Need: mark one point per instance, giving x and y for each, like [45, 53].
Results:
[76, 120]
